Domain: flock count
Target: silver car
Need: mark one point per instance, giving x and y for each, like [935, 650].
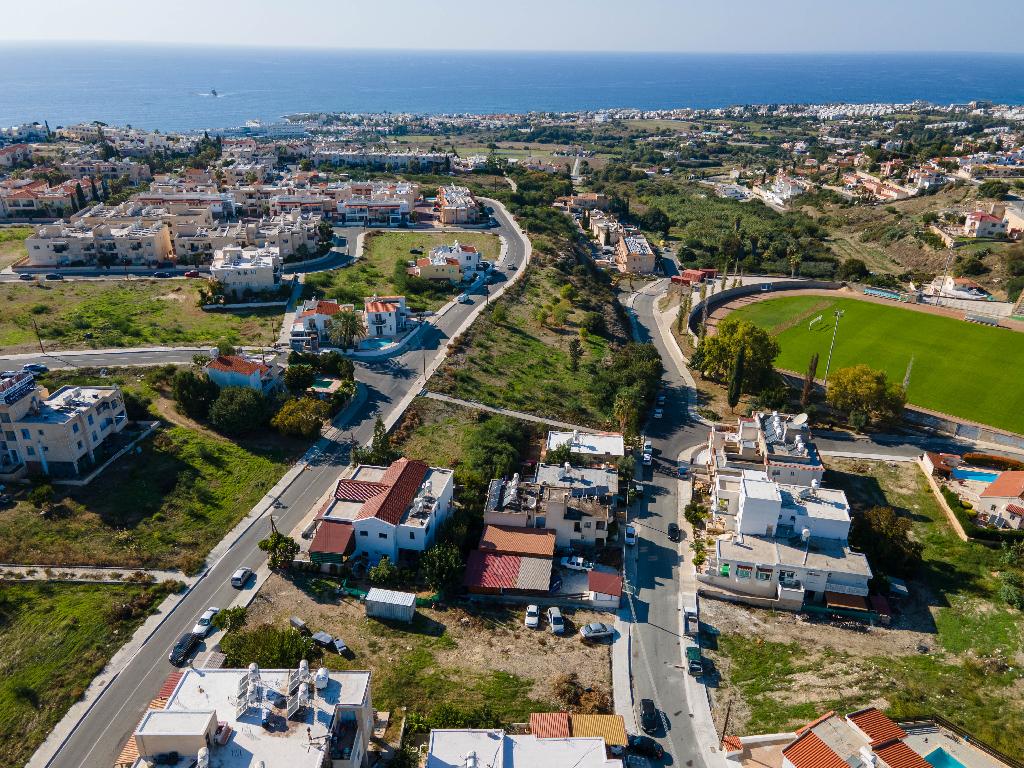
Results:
[205, 622]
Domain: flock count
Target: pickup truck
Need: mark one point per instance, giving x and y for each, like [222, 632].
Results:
[576, 563]
[692, 624]
[693, 663]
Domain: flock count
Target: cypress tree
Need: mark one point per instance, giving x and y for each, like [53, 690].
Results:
[736, 379]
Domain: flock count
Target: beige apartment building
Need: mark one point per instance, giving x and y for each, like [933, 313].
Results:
[62, 244]
[456, 205]
[634, 254]
[246, 270]
[62, 435]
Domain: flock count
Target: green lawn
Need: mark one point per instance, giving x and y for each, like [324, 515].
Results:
[970, 675]
[959, 368]
[374, 273]
[12, 244]
[56, 638]
[99, 314]
[163, 508]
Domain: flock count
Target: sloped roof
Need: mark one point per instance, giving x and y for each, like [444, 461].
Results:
[899, 755]
[605, 582]
[333, 537]
[611, 728]
[237, 364]
[357, 490]
[809, 751]
[403, 479]
[491, 571]
[506, 540]
[876, 726]
[1009, 484]
[550, 725]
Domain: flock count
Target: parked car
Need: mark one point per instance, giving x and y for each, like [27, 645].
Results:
[576, 563]
[630, 535]
[646, 746]
[484, 266]
[203, 624]
[646, 459]
[240, 577]
[596, 631]
[464, 299]
[192, 273]
[556, 584]
[555, 621]
[683, 470]
[674, 534]
[648, 446]
[54, 276]
[8, 374]
[162, 274]
[638, 489]
[25, 276]
[35, 368]
[183, 649]
[649, 719]
[532, 620]
[658, 413]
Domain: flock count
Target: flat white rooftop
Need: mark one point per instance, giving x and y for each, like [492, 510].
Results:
[761, 489]
[589, 443]
[496, 749]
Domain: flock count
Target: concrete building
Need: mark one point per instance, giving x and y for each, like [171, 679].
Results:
[983, 224]
[385, 316]
[248, 270]
[374, 203]
[62, 244]
[468, 748]
[239, 718]
[605, 228]
[309, 331]
[590, 447]
[634, 255]
[61, 435]
[14, 154]
[467, 256]
[238, 371]
[456, 205]
[437, 267]
[1002, 502]
[108, 170]
[393, 511]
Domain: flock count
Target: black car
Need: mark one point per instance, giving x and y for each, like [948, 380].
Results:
[161, 274]
[646, 746]
[674, 534]
[54, 276]
[25, 276]
[649, 719]
[183, 649]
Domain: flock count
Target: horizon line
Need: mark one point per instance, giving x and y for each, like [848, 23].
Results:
[527, 51]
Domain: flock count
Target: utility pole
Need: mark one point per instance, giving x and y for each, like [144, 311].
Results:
[835, 329]
[38, 337]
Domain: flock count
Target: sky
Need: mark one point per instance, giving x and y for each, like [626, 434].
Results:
[699, 26]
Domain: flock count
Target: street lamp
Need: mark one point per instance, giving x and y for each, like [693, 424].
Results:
[838, 313]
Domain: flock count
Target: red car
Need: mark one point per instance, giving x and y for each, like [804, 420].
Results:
[192, 273]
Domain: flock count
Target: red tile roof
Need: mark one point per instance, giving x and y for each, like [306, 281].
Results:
[876, 726]
[327, 307]
[813, 723]
[492, 571]
[604, 582]
[333, 537]
[170, 684]
[732, 744]
[1008, 484]
[550, 725]
[237, 364]
[357, 490]
[506, 540]
[403, 479]
[1015, 509]
[380, 306]
[809, 751]
[899, 755]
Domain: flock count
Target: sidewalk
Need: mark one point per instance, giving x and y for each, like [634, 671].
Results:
[91, 573]
[506, 412]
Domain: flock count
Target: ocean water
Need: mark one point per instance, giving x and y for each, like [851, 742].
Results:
[169, 87]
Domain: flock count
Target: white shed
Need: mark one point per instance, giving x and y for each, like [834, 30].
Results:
[387, 604]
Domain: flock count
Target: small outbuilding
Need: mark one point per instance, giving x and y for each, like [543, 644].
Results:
[390, 605]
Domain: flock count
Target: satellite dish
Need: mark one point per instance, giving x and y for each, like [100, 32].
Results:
[799, 420]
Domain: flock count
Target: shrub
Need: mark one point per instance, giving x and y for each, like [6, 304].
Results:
[268, 647]
[301, 417]
[239, 411]
[230, 619]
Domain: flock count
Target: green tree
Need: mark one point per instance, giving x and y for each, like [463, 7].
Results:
[626, 409]
[343, 328]
[559, 455]
[230, 619]
[194, 393]
[575, 353]
[380, 452]
[239, 411]
[384, 573]
[862, 389]
[301, 417]
[994, 189]
[736, 379]
[281, 550]
[716, 354]
[299, 378]
[225, 348]
[853, 270]
[886, 538]
[442, 566]
[267, 646]
[808, 388]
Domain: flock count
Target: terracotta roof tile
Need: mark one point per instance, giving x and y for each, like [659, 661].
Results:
[604, 582]
[550, 725]
[814, 722]
[506, 540]
[809, 751]
[492, 571]
[404, 478]
[333, 537]
[1008, 484]
[358, 490]
[732, 744]
[899, 755]
[876, 726]
[611, 728]
[237, 364]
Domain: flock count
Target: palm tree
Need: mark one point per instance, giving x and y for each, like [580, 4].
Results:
[343, 328]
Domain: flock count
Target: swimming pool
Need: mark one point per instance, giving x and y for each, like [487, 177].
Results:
[376, 343]
[940, 758]
[980, 475]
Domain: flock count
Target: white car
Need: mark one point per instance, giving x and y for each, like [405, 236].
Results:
[648, 446]
[532, 620]
[204, 624]
[630, 535]
[646, 459]
[576, 563]
[658, 413]
[240, 577]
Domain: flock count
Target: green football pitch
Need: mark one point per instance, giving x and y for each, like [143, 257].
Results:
[966, 370]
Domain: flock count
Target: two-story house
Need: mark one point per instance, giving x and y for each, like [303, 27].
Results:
[238, 371]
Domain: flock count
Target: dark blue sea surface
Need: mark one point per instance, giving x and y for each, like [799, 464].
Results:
[169, 87]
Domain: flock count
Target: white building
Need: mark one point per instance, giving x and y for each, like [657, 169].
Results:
[309, 330]
[238, 371]
[385, 316]
[471, 748]
[374, 203]
[394, 511]
[467, 255]
[983, 224]
[238, 718]
[62, 435]
[594, 447]
[62, 244]
[247, 270]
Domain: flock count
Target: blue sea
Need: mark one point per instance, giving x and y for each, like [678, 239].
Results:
[169, 87]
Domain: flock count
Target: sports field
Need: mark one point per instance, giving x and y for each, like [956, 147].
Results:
[962, 369]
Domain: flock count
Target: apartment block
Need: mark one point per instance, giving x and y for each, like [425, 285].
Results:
[246, 270]
[62, 244]
[456, 205]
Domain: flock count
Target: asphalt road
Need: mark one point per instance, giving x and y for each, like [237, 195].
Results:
[98, 738]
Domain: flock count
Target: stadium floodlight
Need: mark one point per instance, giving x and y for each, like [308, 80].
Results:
[835, 329]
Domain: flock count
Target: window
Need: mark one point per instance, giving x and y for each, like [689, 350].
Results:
[31, 451]
[10, 435]
[763, 575]
[723, 569]
[412, 535]
[25, 435]
[576, 527]
[94, 438]
[79, 445]
[586, 524]
[743, 572]
[382, 535]
[364, 533]
[74, 428]
[40, 432]
[90, 419]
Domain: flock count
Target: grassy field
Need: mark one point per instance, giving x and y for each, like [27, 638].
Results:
[780, 672]
[374, 273]
[163, 508]
[99, 314]
[56, 638]
[12, 244]
[958, 368]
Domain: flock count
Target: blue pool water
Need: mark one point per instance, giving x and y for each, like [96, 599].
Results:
[975, 474]
[940, 758]
[375, 343]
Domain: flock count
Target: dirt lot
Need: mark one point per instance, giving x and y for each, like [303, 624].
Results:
[466, 655]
